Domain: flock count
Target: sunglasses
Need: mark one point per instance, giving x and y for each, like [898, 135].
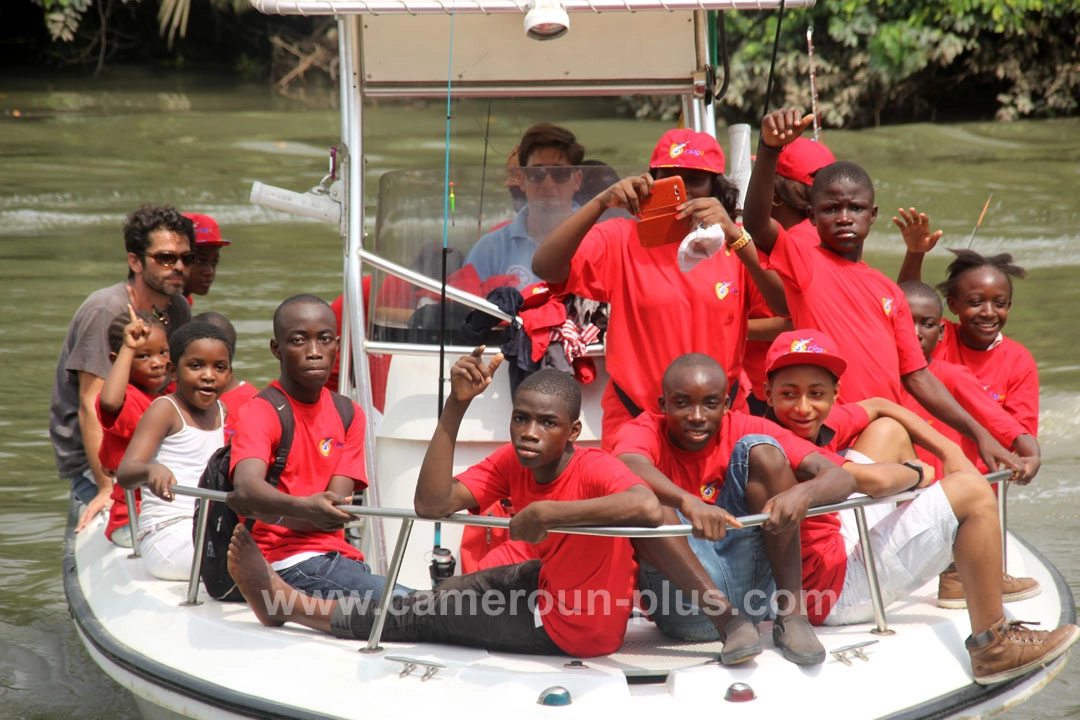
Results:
[168, 259]
[559, 173]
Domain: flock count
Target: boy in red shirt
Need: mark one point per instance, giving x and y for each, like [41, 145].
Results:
[300, 528]
[956, 516]
[829, 287]
[714, 466]
[574, 598]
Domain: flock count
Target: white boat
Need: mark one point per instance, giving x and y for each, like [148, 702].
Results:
[214, 660]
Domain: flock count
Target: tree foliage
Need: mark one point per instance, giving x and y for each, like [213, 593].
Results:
[900, 60]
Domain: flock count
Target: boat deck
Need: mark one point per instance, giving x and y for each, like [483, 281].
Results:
[215, 660]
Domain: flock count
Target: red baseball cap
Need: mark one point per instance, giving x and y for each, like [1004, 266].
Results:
[207, 231]
[683, 148]
[802, 158]
[804, 347]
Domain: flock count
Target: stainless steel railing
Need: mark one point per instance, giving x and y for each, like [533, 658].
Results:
[856, 503]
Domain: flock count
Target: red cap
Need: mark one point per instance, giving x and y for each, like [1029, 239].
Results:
[804, 347]
[207, 231]
[801, 159]
[682, 148]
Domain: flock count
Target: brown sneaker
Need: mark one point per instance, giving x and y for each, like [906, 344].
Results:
[951, 592]
[1007, 650]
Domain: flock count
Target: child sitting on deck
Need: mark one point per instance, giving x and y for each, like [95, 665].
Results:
[956, 517]
[547, 603]
[139, 351]
[714, 466]
[172, 444]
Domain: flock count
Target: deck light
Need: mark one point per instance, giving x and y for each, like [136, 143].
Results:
[546, 20]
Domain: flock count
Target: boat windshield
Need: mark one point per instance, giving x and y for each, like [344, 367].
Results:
[491, 233]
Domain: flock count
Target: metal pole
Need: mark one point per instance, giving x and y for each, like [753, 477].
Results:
[133, 522]
[200, 548]
[871, 574]
[388, 590]
[1003, 490]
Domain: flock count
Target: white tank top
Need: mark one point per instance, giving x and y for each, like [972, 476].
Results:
[185, 453]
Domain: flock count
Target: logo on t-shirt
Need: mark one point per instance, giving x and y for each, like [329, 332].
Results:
[708, 492]
[723, 289]
[325, 445]
[887, 305]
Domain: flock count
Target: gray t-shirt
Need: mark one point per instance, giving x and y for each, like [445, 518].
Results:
[86, 349]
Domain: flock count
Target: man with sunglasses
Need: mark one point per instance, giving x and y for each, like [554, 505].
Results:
[549, 175]
[159, 243]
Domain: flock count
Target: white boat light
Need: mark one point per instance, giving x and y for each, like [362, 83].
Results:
[546, 20]
[554, 696]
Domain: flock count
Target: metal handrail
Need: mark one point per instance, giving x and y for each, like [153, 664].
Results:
[856, 503]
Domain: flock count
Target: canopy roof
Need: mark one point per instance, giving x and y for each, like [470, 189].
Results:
[489, 7]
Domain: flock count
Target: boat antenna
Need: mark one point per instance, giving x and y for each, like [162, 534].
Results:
[978, 222]
[721, 35]
[483, 173]
[813, 83]
[772, 63]
[448, 200]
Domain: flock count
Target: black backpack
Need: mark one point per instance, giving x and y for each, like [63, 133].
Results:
[221, 519]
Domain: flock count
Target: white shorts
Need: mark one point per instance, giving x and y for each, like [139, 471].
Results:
[167, 553]
[912, 544]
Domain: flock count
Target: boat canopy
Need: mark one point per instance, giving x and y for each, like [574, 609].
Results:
[495, 7]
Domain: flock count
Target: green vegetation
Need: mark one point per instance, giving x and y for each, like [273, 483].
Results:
[901, 60]
[877, 62]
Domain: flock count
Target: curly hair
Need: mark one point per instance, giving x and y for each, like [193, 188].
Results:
[189, 333]
[967, 260]
[554, 383]
[116, 327]
[140, 224]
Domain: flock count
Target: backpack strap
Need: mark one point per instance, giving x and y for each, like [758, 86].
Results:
[346, 409]
[280, 403]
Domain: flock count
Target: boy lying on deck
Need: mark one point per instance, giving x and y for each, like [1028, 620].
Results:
[956, 516]
[574, 597]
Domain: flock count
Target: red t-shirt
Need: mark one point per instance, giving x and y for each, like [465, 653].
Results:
[845, 424]
[863, 311]
[824, 557]
[233, 401]
[657, 312]
[968, 391]
[1007, 372]
[702, 472]
[321, 448]
[118, 429]
[756, 350]
[586, 582]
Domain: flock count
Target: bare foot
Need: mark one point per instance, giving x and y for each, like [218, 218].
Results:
[263, 588]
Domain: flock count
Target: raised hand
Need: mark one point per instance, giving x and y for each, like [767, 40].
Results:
[915, 227]
[136, 331]
[627, 193]
[782, 127]
[470, 376]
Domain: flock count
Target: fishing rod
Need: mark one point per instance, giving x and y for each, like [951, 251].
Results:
[978, 223]
[442, 561]
[813, 83]
[483, 173]
[772, 63]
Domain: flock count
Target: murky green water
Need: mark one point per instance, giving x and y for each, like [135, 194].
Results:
[82, 155]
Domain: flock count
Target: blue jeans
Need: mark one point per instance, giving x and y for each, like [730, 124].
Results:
[333, 575]
[737, 564]
[83, 487]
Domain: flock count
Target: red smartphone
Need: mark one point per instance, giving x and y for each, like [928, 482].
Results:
[657, 224]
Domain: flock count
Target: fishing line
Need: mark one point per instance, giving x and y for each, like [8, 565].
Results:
[772, 64]
[483, 172]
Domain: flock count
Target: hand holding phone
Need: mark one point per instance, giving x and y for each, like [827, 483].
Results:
[657, 224]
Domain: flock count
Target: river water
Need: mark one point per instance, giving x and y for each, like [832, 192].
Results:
[76, 156]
